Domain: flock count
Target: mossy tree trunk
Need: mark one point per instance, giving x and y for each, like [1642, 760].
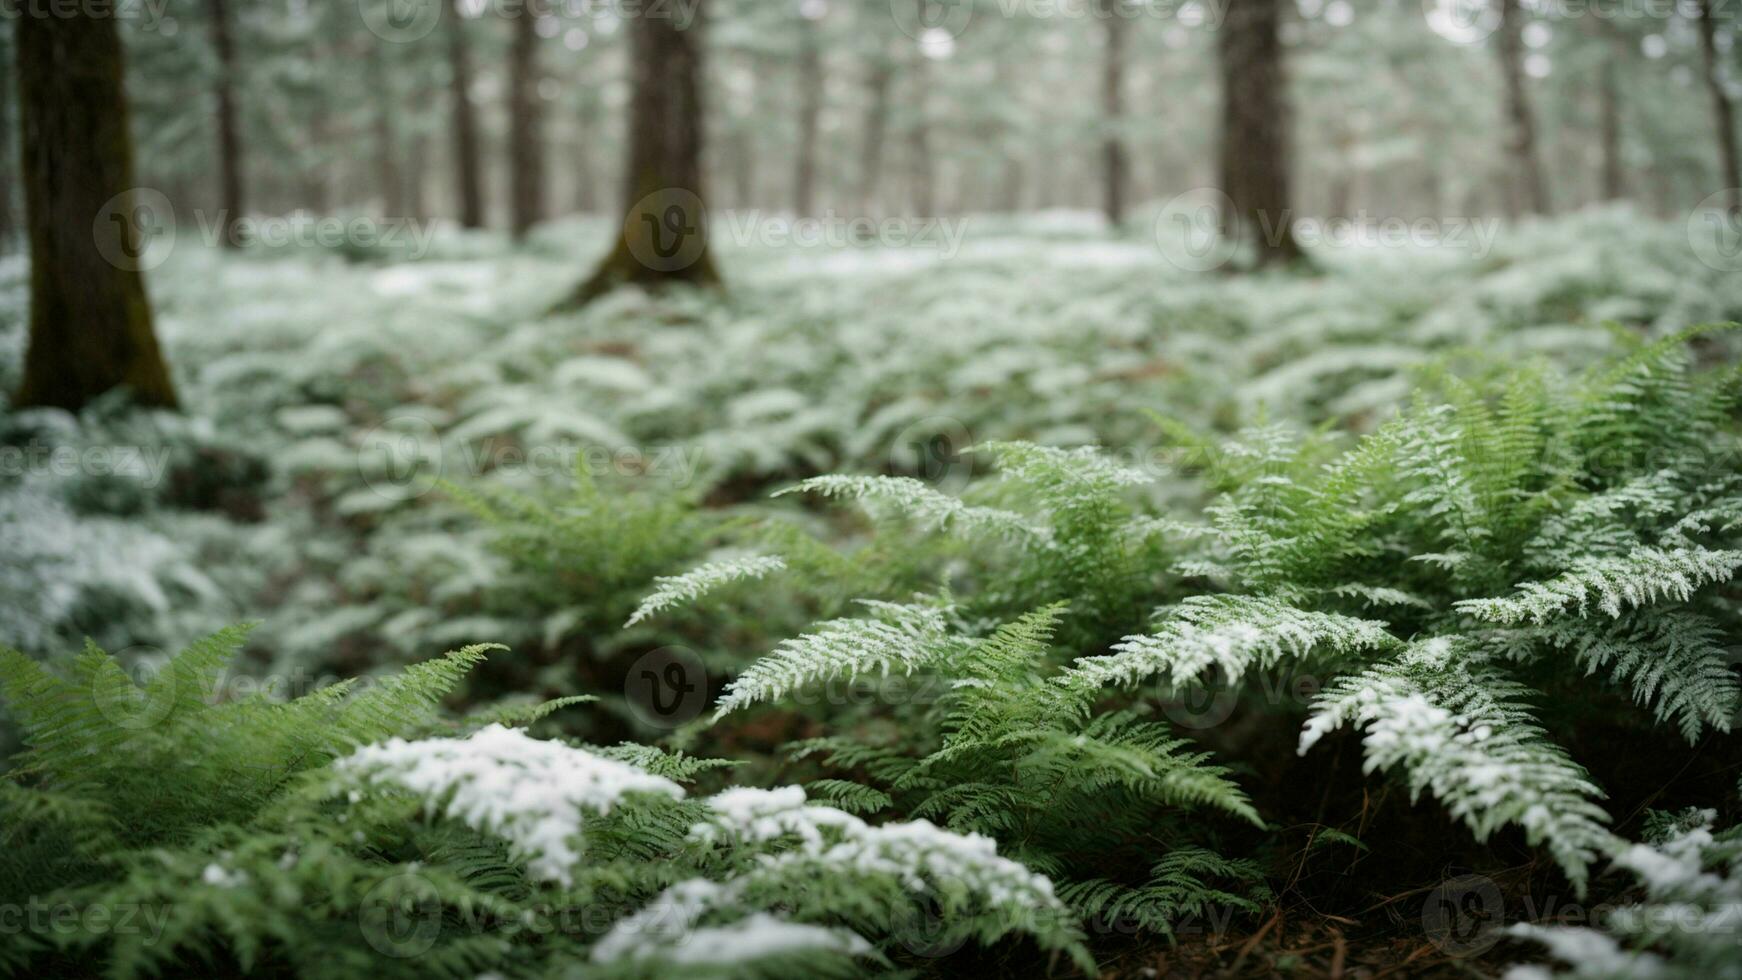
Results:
[525, 125]
[663, 238]
[468, 172]
[1255, 149]
[230, 162]
[90, 321]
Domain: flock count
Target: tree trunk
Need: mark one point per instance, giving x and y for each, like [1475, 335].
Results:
[1614, 185]
[525, 123]
[1113, 159]
[1255, 150]
[1527, 190]
[664, 236]
[229, 126]
[919, 164]
[468, 173]
[387, 175]
[1723, 114]
[877, 83]
[90, 321]
[8, 176]
[810, 107]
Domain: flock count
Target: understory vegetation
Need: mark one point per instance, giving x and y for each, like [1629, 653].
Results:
[888, 614]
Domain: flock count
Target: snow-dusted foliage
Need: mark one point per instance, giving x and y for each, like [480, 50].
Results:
[1685, 927]
[534, 794]
[676, 590]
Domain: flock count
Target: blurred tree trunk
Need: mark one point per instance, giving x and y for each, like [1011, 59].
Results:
[468, 172]
[229, 126]
[663, 238]
[1113, 160]
[387, 176]
[877, 82]
[1527, 192]
[921, 189]
[1723, 113]
[586, 196]
[1255, 153]
[810, 108]
[8, 176]
[90, 321]
[417, 177]
[1614, 182]
[525, 125]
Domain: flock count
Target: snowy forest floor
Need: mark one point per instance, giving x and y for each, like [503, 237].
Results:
[331, 399]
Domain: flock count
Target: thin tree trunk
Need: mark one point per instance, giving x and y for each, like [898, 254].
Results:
[1113, 159]
[468, 172]
[1255, 151]
[417, 177]
[90, 320]
[229, 126]
[877, 82]
[1529, 191]
[1614, 186]
[1723, 113]
[387, 175]
[663, 239]
[810, 107]
[525, 120]
[919, 163]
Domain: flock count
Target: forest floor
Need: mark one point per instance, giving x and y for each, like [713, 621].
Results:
[326, 393]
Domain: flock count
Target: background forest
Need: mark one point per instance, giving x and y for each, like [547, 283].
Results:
[669, 488]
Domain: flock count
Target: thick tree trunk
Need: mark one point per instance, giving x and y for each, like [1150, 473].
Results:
[90, 321]
[468, 171]
[1723, 113]
[229, 125]
[877, 81]
[663, 239]
[586, 191]
[1613, 182]
[525, 123]
[1527, 189]
[1255, 147]
[1114, 165]
[387, 177]
[810, 108]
